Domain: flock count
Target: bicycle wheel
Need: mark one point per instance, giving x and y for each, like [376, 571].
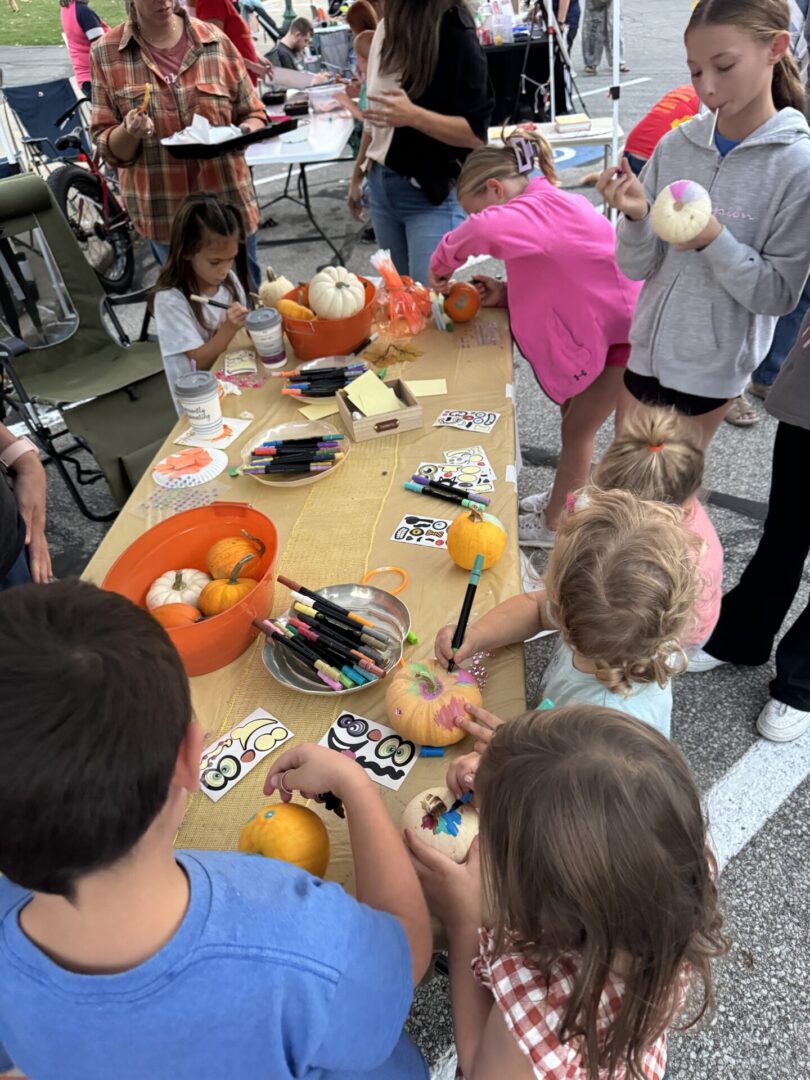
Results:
[105, 240]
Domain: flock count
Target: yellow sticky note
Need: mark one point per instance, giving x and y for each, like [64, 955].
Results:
[427, 387]
[319, 410]
[371, 396]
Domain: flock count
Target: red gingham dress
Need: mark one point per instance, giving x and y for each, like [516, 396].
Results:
[533, 1009]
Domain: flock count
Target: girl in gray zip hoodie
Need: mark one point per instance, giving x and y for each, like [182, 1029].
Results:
[707, 311]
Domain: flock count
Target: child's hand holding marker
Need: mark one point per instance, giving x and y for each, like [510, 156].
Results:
[461, 774]
[623, 191]
[443, 646]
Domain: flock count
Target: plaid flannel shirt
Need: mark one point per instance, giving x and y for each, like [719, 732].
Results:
[213, 82]
[533, 1008]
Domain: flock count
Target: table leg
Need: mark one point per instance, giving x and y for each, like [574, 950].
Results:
[308, 207]
[304, 201]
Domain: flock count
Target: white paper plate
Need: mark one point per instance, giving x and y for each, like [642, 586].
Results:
[296, 429]
[217, 464]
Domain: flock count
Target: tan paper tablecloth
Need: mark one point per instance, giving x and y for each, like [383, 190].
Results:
[335, 530]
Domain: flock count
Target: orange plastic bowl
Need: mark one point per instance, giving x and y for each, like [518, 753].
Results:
[184, 540]
[313, 338]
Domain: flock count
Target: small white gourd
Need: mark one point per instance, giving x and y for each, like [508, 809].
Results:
[177, 587]
[430, 818]
[274, 289]
[681, 212]
[336, 293]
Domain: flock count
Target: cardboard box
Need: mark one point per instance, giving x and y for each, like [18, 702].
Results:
[391, 423]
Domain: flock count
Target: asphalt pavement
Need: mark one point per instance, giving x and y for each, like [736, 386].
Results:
[760, 797]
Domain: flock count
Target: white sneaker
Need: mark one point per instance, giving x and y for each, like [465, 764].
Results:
[535, 533]
[700, 660]
[531, 578]
[782, 723]
[534, 504]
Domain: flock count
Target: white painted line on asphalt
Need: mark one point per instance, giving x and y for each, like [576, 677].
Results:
[283, 175]
[751, 792]
[604, 89]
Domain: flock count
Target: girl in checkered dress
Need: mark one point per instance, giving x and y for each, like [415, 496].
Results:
[604, 910]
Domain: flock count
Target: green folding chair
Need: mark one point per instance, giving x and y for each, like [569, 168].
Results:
[112, 394]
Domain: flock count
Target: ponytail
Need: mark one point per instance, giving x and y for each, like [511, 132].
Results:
[788, 90]
[501, 163]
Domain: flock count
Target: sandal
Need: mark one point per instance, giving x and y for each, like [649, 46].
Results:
[741, 413]
[623, 67]
[590, 69]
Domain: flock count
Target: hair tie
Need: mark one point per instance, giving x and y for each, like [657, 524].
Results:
[655, 449]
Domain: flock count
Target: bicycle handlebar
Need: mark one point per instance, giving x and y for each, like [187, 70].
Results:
[73, 108]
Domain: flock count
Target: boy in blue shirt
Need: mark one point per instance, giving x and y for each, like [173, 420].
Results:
[121, 957]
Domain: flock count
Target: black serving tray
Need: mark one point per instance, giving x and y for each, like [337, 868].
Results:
[197, 152]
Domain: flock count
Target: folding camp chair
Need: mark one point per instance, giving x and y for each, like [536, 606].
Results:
[263, 17]
[112, 395]
[45, 112]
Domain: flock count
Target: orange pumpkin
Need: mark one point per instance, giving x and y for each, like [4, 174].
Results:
[423, 702]
[223, 593]
[462, 302]
[292, 833]
[172, 615]
[225, 554]
[474, 533]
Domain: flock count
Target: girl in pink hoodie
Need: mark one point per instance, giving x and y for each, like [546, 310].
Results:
[569, 304]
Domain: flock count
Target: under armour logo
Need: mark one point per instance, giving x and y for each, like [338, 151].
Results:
[581, 375]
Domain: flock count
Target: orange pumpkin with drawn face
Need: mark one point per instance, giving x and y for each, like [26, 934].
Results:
[462, 302]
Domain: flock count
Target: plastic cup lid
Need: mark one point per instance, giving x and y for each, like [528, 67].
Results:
[195, 384]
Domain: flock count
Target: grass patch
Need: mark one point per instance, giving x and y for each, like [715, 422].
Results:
[37, 22]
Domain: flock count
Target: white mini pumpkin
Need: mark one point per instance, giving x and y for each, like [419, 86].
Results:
[430, 817]
[336, 293]
[177, 587]
[681, 212]
[272, 290]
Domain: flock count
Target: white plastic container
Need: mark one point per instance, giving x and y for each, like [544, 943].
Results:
[323, 99]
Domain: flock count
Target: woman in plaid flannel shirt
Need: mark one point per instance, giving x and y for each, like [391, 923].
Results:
[192, 68]
[604, 907]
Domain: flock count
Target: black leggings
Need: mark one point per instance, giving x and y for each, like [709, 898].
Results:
[753, 612]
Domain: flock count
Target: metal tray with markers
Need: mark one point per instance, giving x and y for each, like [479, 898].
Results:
[204, 151]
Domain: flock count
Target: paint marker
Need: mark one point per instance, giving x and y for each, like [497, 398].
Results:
[210, 302]
[445, 485]
[466, 608]
[432, 751]
[336, 613]
[288, 467]
[330, 437]
[282, 451]
[448, 495]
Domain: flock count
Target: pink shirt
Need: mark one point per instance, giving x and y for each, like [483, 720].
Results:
[81, 27]
[568, 301]
[710, 564]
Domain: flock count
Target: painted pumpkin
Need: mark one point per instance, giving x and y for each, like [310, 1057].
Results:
[177, 587]
[171, 616]
[462, 302]
[225, 554]
[336, 293]
[473, 533]
[222, 593]
[287, 831]
[437, 822]
[423, 702]
[681, 212]
[274, 289]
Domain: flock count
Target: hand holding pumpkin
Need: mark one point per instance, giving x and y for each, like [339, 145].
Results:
[481, 724]
[313, 770]
[452, 890]
[491, 291]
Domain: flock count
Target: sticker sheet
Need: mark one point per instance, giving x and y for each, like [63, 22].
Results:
[479, 333]
[470, 477]
[386, 756]
[239, 751]
[470, 455]
[422, 531]
[477, 420]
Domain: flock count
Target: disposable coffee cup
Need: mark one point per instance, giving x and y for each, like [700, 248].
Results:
[198, 394]
[264, 327]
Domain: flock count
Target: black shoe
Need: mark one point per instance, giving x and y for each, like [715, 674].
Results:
[367, 235]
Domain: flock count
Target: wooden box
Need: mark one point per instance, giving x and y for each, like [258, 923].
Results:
[392, 423]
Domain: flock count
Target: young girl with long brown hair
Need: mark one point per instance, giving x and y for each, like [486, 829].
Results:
[569, 305]
[707, 312]
[603, 909]
[207, 257]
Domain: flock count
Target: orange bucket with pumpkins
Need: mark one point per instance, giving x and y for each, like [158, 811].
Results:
[186, 541]
[313, 338]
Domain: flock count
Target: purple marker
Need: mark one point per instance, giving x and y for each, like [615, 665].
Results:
[463, 493]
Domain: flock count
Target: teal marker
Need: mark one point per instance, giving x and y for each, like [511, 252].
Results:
[420, 489]
[466, 608]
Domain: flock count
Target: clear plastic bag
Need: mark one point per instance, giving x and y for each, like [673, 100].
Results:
[402, 307]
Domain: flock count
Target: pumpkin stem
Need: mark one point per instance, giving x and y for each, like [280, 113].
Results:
[259, 543]
[424, 674]
[270, 275]
[476, 516]
[178, 584]
[232, 580]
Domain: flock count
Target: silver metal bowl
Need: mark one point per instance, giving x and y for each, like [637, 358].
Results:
[380, 607]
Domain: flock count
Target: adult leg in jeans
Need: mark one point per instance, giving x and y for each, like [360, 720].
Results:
[593, 34]
[19, 574]
[425, 225]
[787, 330]
[389, 226]
[753, 612]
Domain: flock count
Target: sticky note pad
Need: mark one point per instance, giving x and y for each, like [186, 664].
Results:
[371, 396]
[427, 387]
[319, 410]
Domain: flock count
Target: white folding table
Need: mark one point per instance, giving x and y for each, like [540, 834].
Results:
[326, 139]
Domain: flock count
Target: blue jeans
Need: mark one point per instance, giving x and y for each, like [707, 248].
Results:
[161, 253]
[19, 574]
[406, 223]
[787, 330]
